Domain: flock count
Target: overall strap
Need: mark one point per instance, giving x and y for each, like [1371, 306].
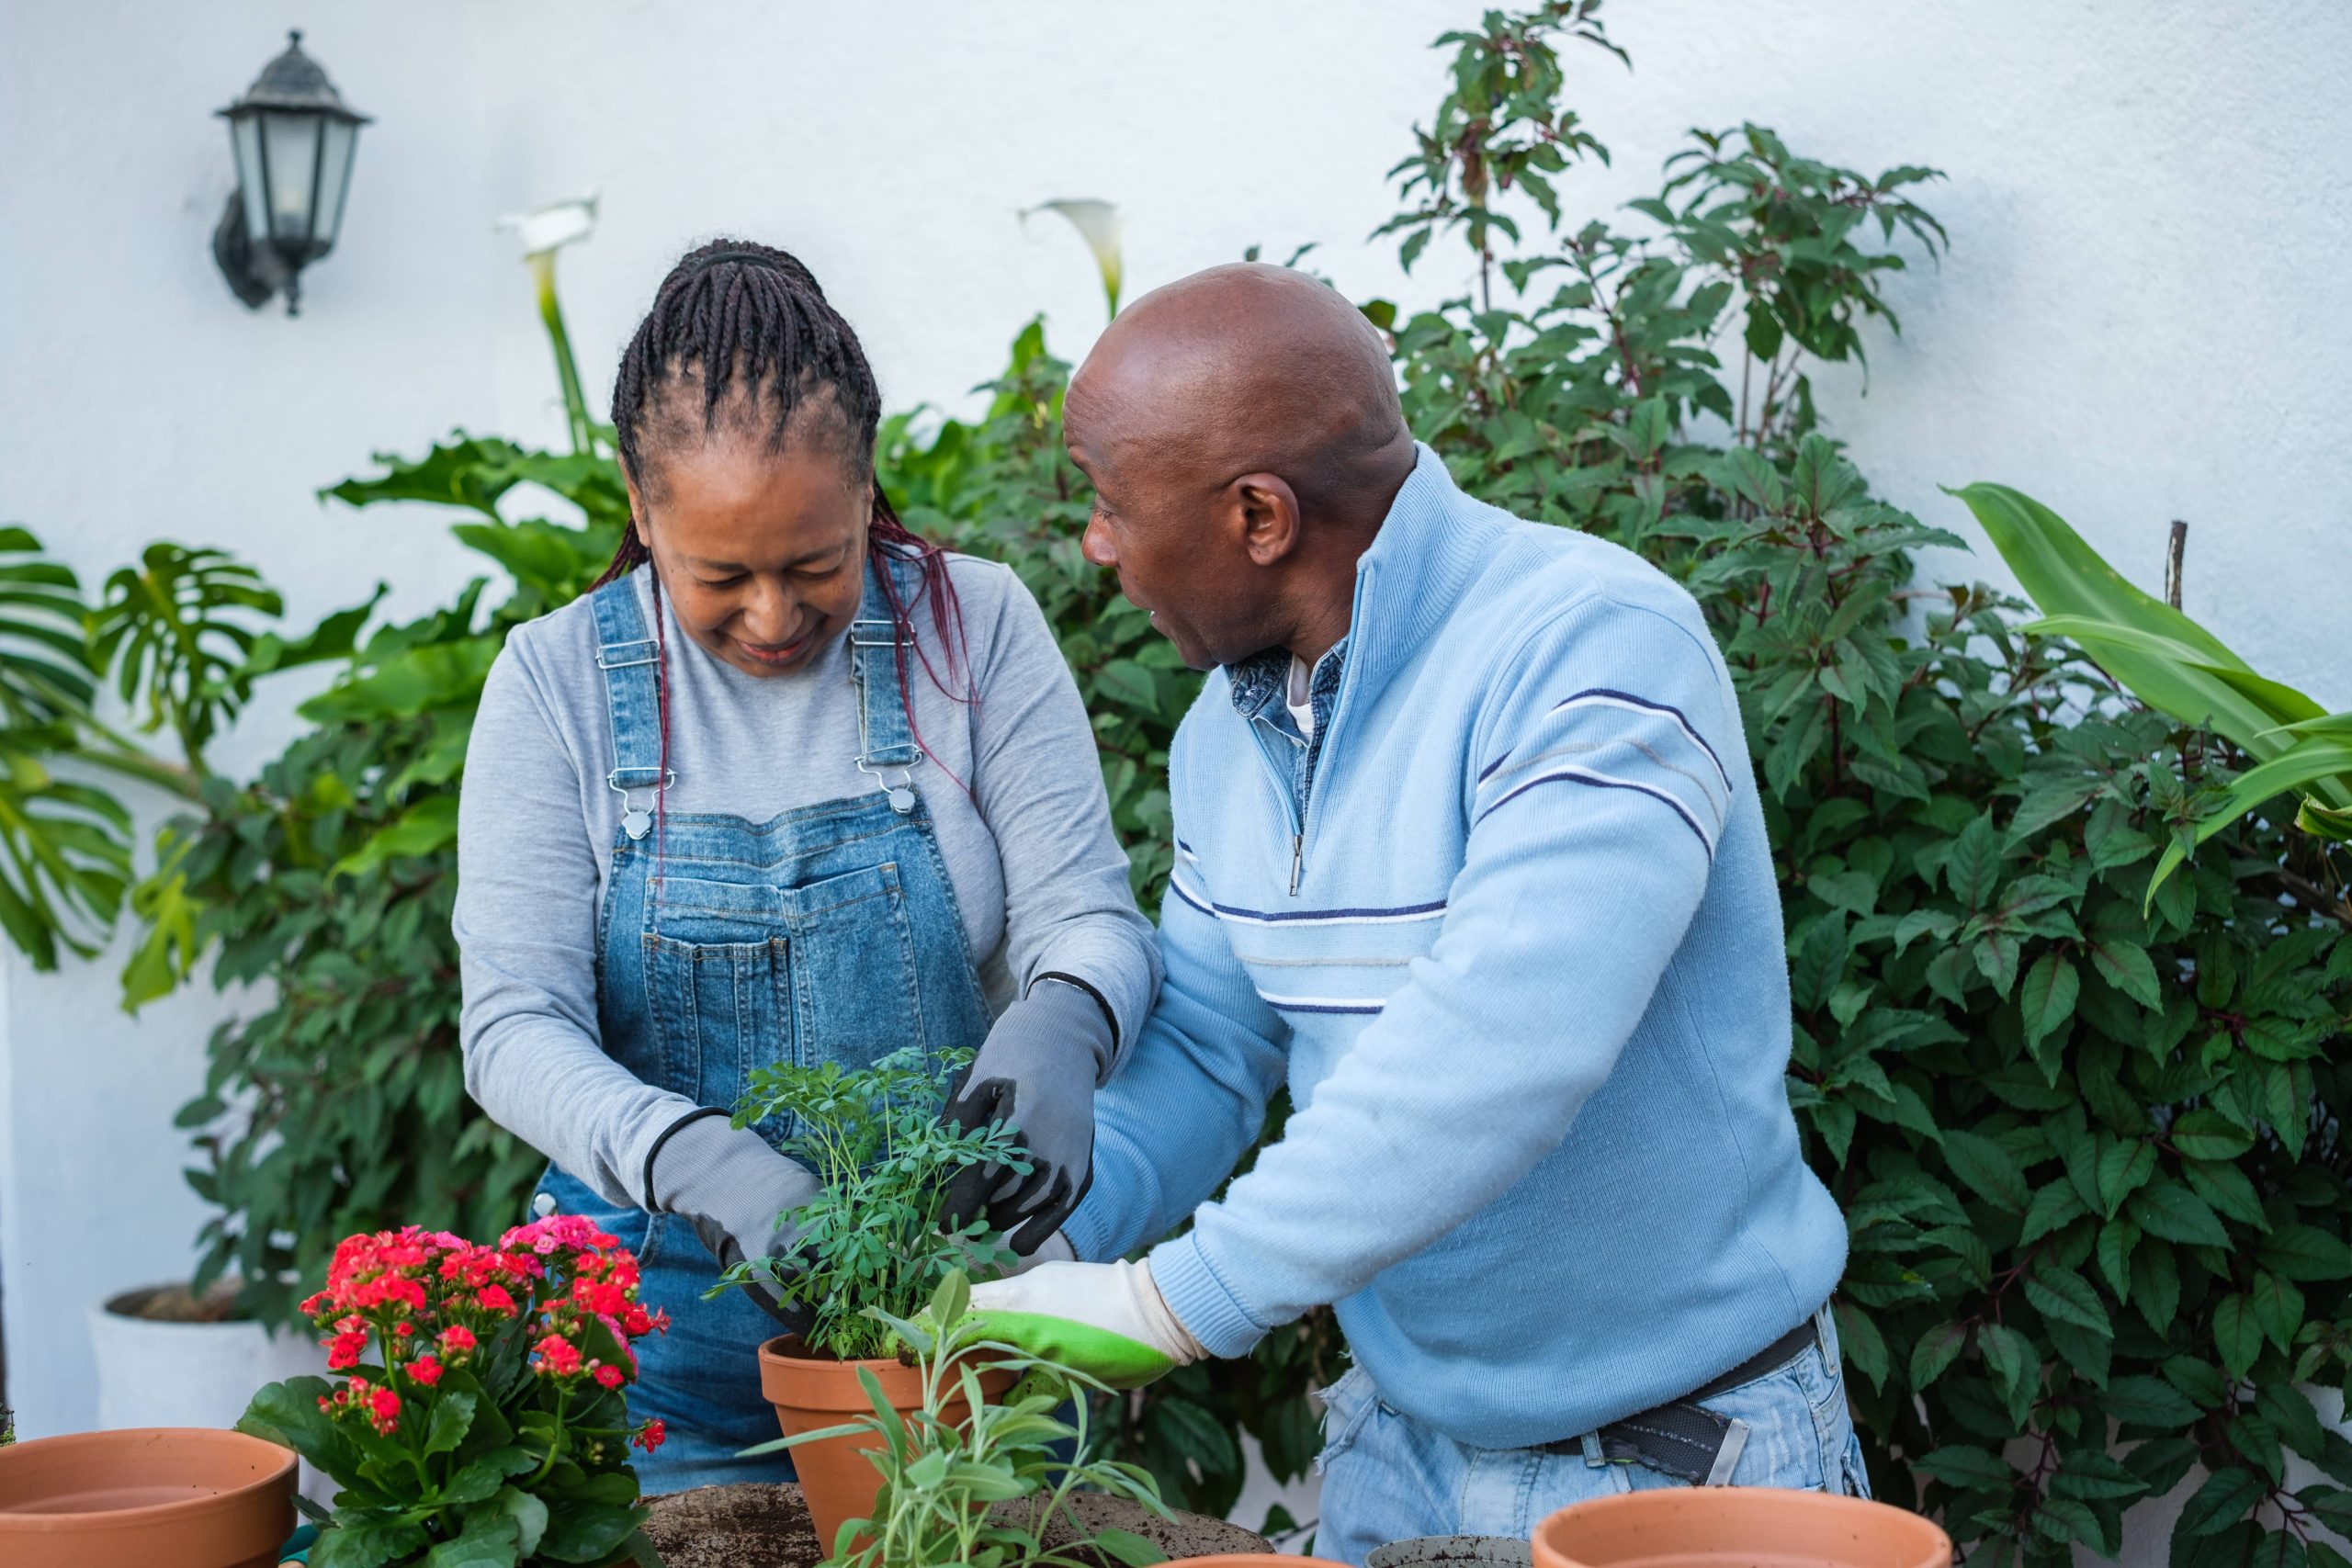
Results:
[631, 663]
[878, 639]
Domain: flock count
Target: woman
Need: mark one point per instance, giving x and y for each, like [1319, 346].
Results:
[790, 784]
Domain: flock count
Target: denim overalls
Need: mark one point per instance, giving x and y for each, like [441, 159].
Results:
[828, 934]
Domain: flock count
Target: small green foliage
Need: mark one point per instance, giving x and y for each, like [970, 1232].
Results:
[947, 1474]
[873, 1243]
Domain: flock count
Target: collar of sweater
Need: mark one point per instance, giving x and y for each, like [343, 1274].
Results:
[1430, 549]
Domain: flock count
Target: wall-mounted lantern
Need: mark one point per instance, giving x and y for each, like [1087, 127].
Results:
[293, 137]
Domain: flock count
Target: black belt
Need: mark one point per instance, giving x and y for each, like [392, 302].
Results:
[1684, 1439]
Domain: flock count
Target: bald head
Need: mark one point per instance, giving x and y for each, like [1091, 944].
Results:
[1242, 430]
[1244, 368]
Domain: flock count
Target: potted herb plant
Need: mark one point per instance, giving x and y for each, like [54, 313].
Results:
[874, 1246]
[491, 1426]
[995, 1482]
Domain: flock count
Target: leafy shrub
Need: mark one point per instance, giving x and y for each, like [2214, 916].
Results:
[874, 1246]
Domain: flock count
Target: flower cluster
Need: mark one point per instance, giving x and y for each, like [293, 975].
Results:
[559, 1291]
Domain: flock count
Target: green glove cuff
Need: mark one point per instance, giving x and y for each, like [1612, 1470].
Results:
[1110, 1359]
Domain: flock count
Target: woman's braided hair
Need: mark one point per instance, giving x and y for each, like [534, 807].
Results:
[747, 325]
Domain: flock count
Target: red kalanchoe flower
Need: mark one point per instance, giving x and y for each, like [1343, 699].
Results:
[456, 1340]
[649, 1435]
[426, 1370]
[384, 1408]
[556, 1356]
[609, 1376]
[493, 1298]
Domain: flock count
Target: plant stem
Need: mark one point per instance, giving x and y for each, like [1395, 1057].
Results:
[567, 369]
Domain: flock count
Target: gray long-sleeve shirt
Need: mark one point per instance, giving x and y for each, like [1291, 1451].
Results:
[1040, 881]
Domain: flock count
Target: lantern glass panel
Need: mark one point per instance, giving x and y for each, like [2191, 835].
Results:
[334, 176]
[291, 146]
[245, 139]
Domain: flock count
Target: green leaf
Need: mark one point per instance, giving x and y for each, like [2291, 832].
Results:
[2304, 1252]
[1970, 1469]
[2066, 577]
[424, 828]
[2047, 1001]
[2065, 1295]
[360, 1540]
[453, 1415]
[2138, 1400]
[2122, 1170]
[2170, 1211]
[1859, 1340]
[1128, 1547]
[529, 1515]
[2237, 1334]
[488, 1541]
[2226, 1499]
[1987, 1168]
[2277, 1307]
[2117, 1240]
[2010, 1356]
[2207, 1134]
[1936, 1350]
[2128, 968]
[2055, 1206]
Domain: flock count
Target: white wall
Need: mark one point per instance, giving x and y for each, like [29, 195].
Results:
[2142, 317]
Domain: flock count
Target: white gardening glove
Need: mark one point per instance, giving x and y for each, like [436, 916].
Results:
[1106, 1320]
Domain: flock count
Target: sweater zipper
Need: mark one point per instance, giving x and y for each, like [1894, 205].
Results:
[1281, 781]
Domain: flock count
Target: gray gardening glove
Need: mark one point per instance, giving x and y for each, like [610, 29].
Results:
[734, 1190]
[1035, 1073]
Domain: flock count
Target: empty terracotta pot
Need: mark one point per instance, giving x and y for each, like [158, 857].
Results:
[148, 1496]
[810, 1392]
[1748, 1527]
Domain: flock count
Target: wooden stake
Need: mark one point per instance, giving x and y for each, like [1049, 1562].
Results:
[2172, 563]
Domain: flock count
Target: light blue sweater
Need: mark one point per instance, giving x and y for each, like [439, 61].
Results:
[1520, 961]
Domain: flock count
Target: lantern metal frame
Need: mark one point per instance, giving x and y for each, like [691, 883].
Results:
[258, 265]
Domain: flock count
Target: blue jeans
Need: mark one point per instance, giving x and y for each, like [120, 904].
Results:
[1387, 1476]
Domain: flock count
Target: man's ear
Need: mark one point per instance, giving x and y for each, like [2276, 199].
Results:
[1265, 510]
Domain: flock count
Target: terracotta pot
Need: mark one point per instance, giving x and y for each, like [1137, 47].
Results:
[143, 1497]
[1260, 1560]
[1738, 1527]
[810, 1392]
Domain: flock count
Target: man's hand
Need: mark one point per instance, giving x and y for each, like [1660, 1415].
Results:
[1035, 1073]
[1106, 1320]
[735, 1190]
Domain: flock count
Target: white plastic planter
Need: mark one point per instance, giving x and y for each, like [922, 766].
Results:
[155, 1374]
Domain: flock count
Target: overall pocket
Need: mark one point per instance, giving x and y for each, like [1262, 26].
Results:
[855, 972]
[720, 1009]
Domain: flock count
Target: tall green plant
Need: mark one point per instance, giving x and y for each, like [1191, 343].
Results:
[2178, 668]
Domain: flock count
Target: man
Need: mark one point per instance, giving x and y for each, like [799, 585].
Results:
[1469, 855]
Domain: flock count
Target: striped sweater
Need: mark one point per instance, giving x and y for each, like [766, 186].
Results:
[1514, 946]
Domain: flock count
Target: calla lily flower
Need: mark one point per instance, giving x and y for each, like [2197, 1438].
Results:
[545, 230]
[1100, 224]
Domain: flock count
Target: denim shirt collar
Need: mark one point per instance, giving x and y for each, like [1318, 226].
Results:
[1260, 687]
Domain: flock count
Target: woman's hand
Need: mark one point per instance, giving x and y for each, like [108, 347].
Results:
[1036, 1074]
[735, 1190]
